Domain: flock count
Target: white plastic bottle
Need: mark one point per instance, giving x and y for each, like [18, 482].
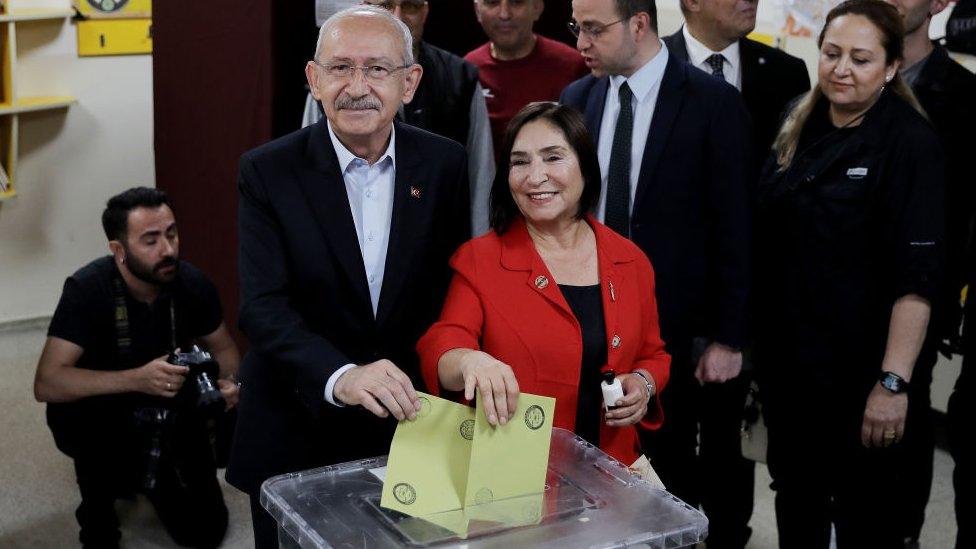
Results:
[612, 390]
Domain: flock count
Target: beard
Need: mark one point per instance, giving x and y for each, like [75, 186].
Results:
[152, 274]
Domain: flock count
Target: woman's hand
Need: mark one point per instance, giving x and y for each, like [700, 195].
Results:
[496, 382]
[633, 406]
[884, 418]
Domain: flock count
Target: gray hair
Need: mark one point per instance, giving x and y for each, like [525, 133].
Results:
[358, 11]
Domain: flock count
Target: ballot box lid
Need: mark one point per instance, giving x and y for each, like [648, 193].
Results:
[590, 500]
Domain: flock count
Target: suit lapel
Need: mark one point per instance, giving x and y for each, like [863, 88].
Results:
[665, 112]
[677, 46]
[749, 59]
[595, 103]
[325, 192]
[408, 196]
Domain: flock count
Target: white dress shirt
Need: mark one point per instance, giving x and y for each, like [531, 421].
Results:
[645, 85]
[370, 191]
[698, 53]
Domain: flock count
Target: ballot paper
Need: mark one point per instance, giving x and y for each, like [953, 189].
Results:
[450, 467]
[510, 460]
[428, 463]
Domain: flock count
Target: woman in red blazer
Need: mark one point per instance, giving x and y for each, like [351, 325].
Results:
[551, 298]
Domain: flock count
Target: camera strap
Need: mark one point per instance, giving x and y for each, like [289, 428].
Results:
[123, 336]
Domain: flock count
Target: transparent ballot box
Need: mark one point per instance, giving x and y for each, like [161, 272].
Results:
[590, 500]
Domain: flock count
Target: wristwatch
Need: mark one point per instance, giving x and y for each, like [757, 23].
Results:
[651, 389]
[893, 382]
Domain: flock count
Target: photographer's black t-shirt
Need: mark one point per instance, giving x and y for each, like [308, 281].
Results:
[85, 316]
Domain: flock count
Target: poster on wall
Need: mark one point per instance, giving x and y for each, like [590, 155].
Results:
[114, 27]
[804, 17]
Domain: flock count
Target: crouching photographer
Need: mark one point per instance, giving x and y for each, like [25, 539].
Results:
[131, 397]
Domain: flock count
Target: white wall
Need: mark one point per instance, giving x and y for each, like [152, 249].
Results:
[71, 160]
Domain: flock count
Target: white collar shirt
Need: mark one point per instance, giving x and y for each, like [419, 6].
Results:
[645, 84]
[698, 53]
[370, 192]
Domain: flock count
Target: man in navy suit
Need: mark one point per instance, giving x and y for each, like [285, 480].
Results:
[674, 146]
[346, 228]
[713, 39]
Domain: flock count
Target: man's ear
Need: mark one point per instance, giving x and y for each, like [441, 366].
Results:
[691, 6]
[641, 25]
[312, 76]
[412, 79]
[118, 251]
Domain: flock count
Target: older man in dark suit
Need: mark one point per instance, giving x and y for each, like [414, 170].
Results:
[674, 146]
[713, 39]
[346, 227]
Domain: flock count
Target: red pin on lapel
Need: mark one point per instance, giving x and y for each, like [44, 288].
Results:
[414, 192]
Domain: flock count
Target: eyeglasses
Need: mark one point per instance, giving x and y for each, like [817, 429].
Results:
[589, 30]
[373, 73]
[408, 7]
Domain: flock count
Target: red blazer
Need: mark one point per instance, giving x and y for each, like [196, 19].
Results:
[504, 301]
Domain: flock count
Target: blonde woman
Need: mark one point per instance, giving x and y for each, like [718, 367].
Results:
[849, 235]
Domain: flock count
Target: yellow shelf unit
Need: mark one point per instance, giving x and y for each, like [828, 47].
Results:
[11, 103]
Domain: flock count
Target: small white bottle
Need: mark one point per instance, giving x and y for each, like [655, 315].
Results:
[612, 390]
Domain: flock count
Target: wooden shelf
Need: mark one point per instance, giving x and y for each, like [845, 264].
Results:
[12, 105]
[36, 14]
[31, 104]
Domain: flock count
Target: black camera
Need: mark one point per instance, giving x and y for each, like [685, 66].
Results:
[200, 389]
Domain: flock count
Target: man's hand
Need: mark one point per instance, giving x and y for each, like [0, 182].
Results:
[381, 388]
[718, 364]
[884, 418]
[496, 382]
[633, 406]
[230, 390]
[158, 377]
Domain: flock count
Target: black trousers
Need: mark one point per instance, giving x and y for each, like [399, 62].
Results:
[918, 446]
[188, 502]
[711, 474]
[823, 475]
[962, 417]
[264, 526]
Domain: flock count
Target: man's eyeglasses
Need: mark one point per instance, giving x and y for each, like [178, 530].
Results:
[590, 30]
[373, 73]
[409, 7]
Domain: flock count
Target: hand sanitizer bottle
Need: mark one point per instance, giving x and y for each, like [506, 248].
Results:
[612, 390]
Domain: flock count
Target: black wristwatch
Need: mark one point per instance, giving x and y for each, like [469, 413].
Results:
[893, 382]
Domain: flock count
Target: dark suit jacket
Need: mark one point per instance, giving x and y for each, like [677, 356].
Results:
[771, 79]
[691, 214]
[947, 92]
[305, 305]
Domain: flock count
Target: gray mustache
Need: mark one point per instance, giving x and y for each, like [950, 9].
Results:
[357, 104]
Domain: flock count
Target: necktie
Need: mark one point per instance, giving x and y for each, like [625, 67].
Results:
[617, 215]
[717, 62]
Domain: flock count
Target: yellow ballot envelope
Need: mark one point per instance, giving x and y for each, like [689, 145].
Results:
[510, 460]
[449, 466]
[428, 463]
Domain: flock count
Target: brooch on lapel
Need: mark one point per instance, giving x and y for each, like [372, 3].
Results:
[414, 192]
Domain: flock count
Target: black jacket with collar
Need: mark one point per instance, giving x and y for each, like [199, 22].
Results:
[692, 212]
[305, 303]
[771, 78]
[851, 225]
[442, 103]
[947, 92]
